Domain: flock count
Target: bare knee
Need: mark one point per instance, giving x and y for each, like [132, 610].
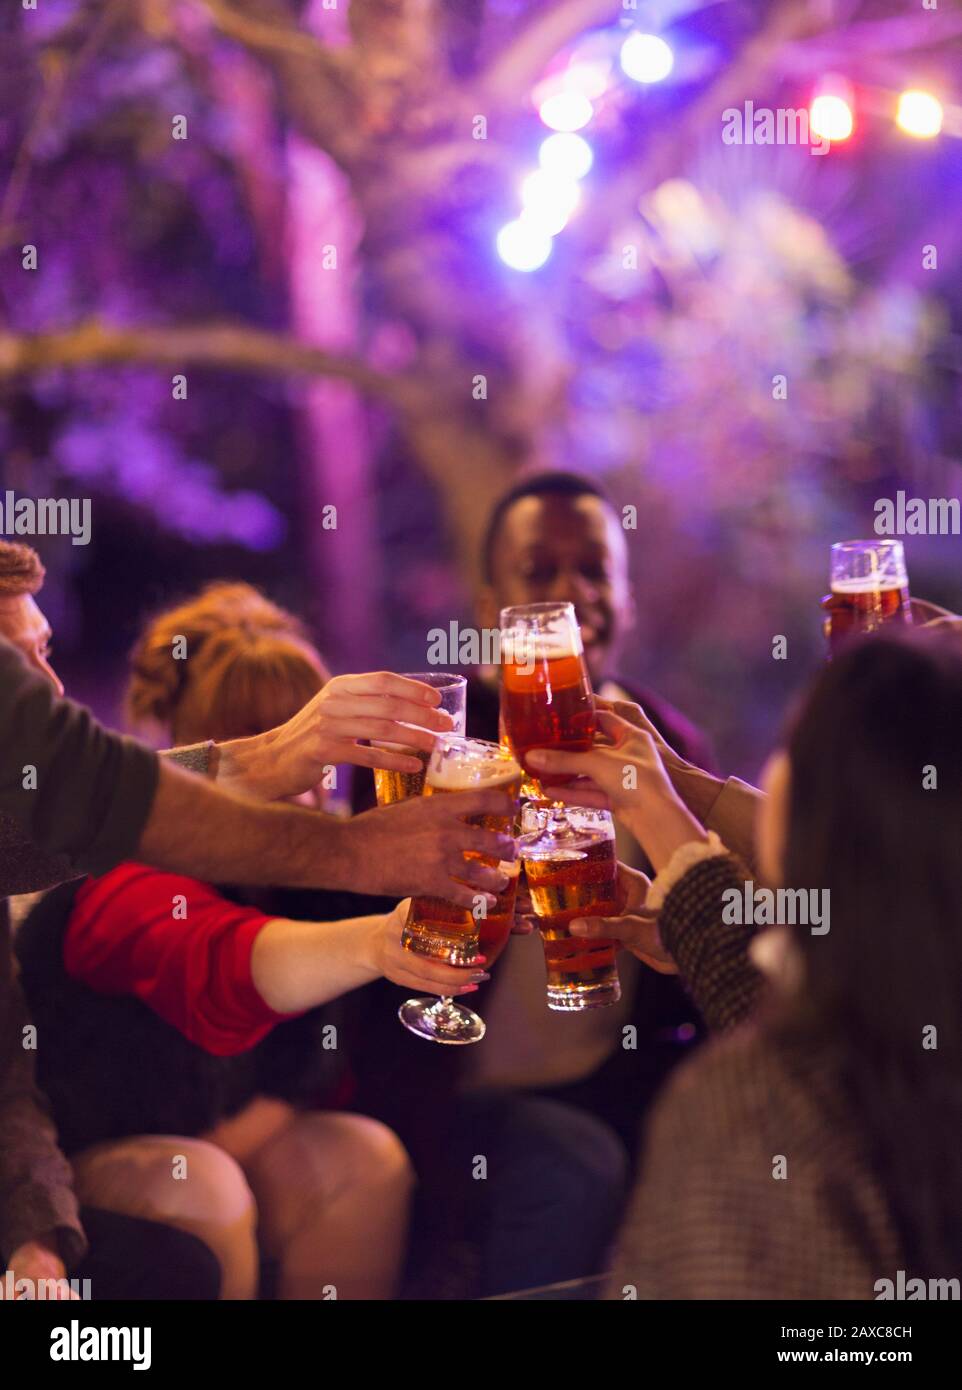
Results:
[187, 1183]
[370, 1153]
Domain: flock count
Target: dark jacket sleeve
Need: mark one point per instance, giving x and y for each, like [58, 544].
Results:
[76, 790]
[711, 954]
[36, 1189]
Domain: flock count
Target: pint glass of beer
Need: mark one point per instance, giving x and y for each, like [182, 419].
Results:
[398, 786]
[870, 588]
[546, 699]
[455, 934]
[571, 869]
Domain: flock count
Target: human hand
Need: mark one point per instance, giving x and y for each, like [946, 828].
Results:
[36, 1260]
[293, 757]
[415, 971]
[418, 847]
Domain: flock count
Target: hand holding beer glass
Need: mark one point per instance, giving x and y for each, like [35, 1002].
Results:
[870, 588]
[570, 866]
[546, 699]
[454, 934]
[390, 786]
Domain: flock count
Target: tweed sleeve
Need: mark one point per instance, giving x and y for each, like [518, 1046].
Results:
[710, 952]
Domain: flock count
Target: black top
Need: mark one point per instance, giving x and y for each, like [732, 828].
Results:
[112, 1068]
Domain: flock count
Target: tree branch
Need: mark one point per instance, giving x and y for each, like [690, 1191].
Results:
[224, 346]
[318, 85]
[509, 76]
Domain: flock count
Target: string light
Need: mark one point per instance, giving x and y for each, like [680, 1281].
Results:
[566, 111]
[830, 117]
[566, 154]
[919, 114]
[523, 245]
[646, 58]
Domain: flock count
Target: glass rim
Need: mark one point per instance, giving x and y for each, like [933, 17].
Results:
[465, 742]
[534, 610]
[438, 680]
[858, 547]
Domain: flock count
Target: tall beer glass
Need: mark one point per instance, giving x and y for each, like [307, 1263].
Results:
[546, 699]
[442, 930]
[398, 786]
[571, 869]
[870, 588]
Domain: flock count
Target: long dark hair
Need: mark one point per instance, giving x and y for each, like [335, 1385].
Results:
[875, 817]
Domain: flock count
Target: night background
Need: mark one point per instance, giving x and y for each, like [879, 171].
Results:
[320, 256]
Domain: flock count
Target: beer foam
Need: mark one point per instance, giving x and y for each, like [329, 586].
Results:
[866, 584]
[520, 647]
[464, 774]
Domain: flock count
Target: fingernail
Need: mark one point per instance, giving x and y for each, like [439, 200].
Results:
[467, 989]
[480, 975]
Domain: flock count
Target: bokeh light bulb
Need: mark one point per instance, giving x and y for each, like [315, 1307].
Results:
[523, 245]
[548, 200]
[646, 58]
[830, 117]
[919, 114]
[566, 111]
[565, 154]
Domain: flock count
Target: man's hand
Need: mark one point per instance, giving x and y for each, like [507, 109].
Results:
[36, 1260]
[635, 932]
[417, 847]
[415, 971]
[291, 759]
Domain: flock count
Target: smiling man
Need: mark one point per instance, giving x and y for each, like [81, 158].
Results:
[556, 537]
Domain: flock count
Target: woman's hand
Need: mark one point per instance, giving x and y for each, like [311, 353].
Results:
[632, 930]
[292, 758]
[418, 972]
[626, 763]
[629, 772]
[36, 1260]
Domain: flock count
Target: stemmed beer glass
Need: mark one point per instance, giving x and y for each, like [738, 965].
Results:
[441, 929]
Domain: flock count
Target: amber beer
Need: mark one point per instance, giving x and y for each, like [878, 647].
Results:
[571, 871]
[390, 787]
[869, 590]
[546, 699]
[441, 929]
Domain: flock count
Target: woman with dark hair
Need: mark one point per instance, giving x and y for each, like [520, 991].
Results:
[813, 1152]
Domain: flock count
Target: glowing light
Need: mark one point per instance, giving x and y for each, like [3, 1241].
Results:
[566, 155]
[549, 200]
[523, 245]
[830, 117]
[919, 114]
[588, 78]
[646, 58]
[566, 111]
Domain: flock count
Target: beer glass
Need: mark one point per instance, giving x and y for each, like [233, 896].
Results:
[442, 930]
[398, 786]
[546, 699]
[869, 588]
[569, 861]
